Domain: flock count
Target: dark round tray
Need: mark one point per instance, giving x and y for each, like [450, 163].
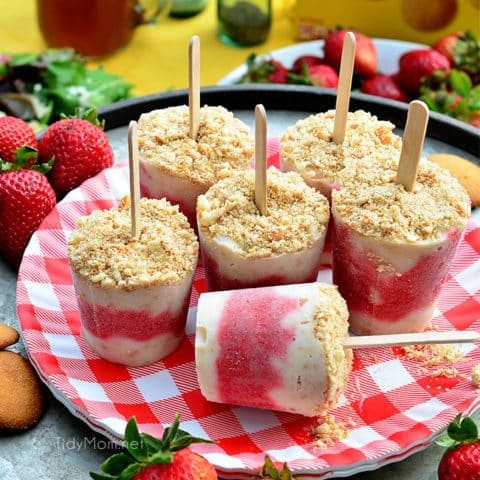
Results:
[298, 99]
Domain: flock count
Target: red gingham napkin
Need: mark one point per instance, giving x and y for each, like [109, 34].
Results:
[396, 405]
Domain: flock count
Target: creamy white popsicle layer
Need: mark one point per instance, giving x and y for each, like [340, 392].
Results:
[175, 166]
[393, 248]
[278, 348]
[133, 294]
[243, 248]
[308, 148]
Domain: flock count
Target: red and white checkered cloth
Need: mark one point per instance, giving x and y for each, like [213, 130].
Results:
[397, 405]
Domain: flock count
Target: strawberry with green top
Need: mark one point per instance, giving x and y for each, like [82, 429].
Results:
[462, 50]
[461, 460]
[26, 198]
[81, 150]
[149, 458]
[366, 57]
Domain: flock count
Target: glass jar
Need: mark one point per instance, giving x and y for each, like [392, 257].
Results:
[187, 8]
[244, 22]
[95, 27]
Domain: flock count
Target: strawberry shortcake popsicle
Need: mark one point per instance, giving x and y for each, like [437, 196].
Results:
[278, 348]
[308, 148]
[393, 248]
[133, 294]
[175, 166]
[243, 248]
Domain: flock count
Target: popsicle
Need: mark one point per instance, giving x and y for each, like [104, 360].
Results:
[278, 348]
[243, 248]
[133, 295]
[394, 243]
[307, 147]
[185, 149]
[320, 146]
[284, 347]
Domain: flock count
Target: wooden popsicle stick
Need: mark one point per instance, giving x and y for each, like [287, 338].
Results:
[194, 85]
[367, 341]
[344, 86]
[134, 178]
[412, 146]
[261, 159]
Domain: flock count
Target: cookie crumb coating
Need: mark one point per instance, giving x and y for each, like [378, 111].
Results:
[297, 214]
[330, 324]
[224, 143]
[308, 147]
[373, 204]
[102, 251]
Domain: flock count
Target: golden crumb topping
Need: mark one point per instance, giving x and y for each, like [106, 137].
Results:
[297, 214]
[329, 431]
[102, 251]
[372, 204]
[434, 354]
[308, 147]
[331, 328]
[224, 143]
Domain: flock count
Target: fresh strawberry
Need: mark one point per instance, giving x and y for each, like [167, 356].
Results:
[463, 51]
[323, 76]
[148, 458]
[81, 150]
[279, 72]
[270, 471]
[384, 86]
[419, 63]
[26, 198]
[445, 46]
[461, 461]
[15, 133]
[366, 58]
[452, 94]
[302, 63]
[264, 70]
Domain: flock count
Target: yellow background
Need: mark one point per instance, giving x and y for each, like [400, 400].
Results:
[156, 58]
[384, 18]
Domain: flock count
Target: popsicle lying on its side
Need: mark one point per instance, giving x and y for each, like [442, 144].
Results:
[285, 347]
[278, 348]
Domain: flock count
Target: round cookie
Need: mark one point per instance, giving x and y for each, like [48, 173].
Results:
[22, 396]
[8, 336]
[466, 172]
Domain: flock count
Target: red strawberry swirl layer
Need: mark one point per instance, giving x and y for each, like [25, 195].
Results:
[390, 288]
